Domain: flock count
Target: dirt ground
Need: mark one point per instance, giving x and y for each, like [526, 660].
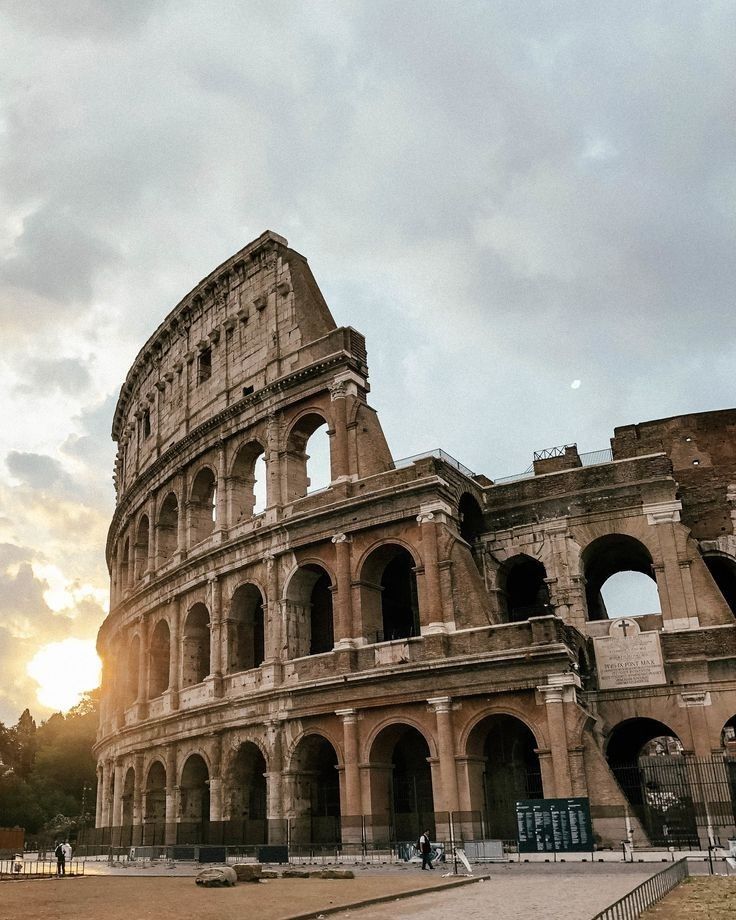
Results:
[708, 898]
[107, 898]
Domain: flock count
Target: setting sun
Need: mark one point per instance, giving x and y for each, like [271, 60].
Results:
[63, 671]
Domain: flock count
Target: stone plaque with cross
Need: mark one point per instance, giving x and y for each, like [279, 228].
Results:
[628, 657]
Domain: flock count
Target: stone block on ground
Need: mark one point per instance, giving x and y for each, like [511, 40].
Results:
[336, 873]
[269, 873]
[248, 872]
[295, 873]
[216, 877]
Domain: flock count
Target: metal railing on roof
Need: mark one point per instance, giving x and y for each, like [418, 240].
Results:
[590, 458]
[438, 454]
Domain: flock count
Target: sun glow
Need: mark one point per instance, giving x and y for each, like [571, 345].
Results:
[63, 671]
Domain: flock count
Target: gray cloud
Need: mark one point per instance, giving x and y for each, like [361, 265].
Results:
[37, 470]
[43, 375]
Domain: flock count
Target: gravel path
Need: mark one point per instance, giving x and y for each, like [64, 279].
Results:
[521, 892]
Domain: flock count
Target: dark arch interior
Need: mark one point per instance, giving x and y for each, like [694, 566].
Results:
[645, 756]
[168, 525]
[527, 594]
[133, 670]
[203, 504]
[608, 556]
[141, 548]
[196, 647]
[128, 793]
[399, 603]
[321, 634]
[194, 801]
[316, 792]
[154, 829]
[723, 571]
[158, 677]
[412, 800]
[247, 640]
[471, 518]
[510, 771]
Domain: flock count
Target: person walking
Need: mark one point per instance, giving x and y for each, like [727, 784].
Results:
[60, 859]
[67, 850]
[425, 849]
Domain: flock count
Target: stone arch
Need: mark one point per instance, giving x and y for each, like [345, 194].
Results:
[167, 528]
[470, 515]
[645, 756]
[722, 568]
[389, 600]
[728, 736]
[538, 730]
[401, 788]
[246, 636]
[194, 799]
[195, 659]
[245, 476]
[310, 620]
[154, 804]
[300, 433]
[128, 798]
[203, 503]
[609, 555]
[247, 793]
[503, 767]
[159, 659]
[315, 790]
[133, 669]
[141, 547]
[523, 586]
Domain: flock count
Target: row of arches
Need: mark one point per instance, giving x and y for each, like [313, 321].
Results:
[402, 787]
[152, 541]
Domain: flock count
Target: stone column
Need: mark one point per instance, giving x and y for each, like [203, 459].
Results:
[340, 459]
[677, 609]
[221, 499]
[273, 638]
[273, 466]
[216, 779]
[353, 799]
[131, 562]
[344, 630]
[143, 663]
[117, 801]
[172, 795]
[559, 690]
[215, 674]
[431, 619]
[182, 519]
[174, 652]
[138, 789]
[442, 706]
[100, 793]
[151, 561]
[107, 780]
[274, 785]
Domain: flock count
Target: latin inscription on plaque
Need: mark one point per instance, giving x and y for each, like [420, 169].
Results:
[628, 657]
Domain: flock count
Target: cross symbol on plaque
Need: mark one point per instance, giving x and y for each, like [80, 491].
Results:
[625, 625]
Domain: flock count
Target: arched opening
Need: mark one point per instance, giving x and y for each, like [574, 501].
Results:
[125, 565]
[128, 797]
[307, 457]
[631, 595]
[203, 505]
[246, 639]
[309, 624]
[723, 571]
[504, 768]
[247, 791]
[141, 548]
[248, 483]
[158, 671]
[389, 601]
[134, 651]
[728, 737]
[194, 805]
[315, 792]
[401, 783]
[154, 820]
[646, 757]
[525, 591]
[471, 518]
[196, 646]
[168, 528]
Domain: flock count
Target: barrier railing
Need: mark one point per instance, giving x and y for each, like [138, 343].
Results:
[644, 896]
[37, 868]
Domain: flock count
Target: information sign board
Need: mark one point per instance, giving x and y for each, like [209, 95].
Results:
[554, 825]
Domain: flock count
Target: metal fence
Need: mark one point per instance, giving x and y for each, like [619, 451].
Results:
[37, 868]
[644, 896]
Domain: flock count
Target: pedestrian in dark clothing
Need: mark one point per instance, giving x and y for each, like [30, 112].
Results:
[60, 859]
[425, 849]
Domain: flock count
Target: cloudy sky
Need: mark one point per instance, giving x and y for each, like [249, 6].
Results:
[506, 198]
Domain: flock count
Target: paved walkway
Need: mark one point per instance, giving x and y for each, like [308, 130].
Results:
[569, 891]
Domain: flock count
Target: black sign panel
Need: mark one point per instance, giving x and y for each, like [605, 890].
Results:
[554, 826]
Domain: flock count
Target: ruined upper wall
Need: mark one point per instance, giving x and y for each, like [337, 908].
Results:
[245, 325]
[702, 450]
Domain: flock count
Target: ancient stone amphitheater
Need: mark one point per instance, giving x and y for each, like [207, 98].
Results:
[413, 645]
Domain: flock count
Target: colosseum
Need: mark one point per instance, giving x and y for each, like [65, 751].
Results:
[412, 645]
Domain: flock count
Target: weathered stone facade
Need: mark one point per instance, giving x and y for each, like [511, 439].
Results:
[413, 642]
